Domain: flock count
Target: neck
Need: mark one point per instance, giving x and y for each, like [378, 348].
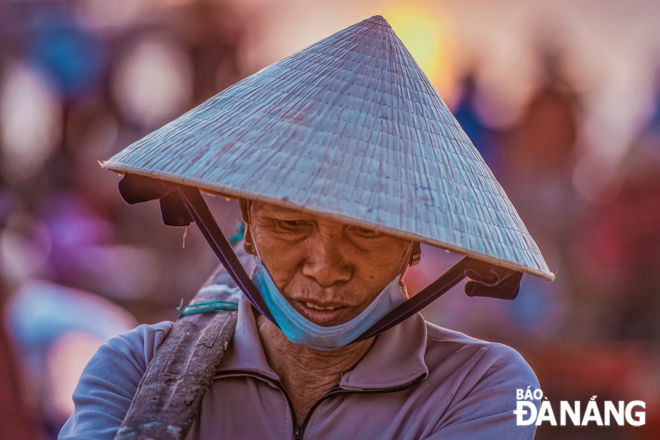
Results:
[305, 373]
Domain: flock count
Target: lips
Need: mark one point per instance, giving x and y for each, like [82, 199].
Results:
[325, 315]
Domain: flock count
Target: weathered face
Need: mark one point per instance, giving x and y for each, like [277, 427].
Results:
[328, 271]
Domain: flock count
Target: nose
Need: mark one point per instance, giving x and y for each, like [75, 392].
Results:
[326, 263]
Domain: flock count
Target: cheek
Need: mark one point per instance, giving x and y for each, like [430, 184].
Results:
[386, 258]
[281, 261]
[380, 268]
[377, 274]
[377, 269]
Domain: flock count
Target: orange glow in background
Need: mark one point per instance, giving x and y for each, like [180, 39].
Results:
[427, 38]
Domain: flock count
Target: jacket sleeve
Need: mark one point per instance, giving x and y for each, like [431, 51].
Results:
[484, 405]
[109, 382]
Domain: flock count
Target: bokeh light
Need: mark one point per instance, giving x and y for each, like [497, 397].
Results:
[29, 122]
[153, 81]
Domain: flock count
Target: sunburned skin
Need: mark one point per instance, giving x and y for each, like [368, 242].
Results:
[329, 272]
[306, 374]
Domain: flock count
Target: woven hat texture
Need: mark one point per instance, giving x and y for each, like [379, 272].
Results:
[349, 128]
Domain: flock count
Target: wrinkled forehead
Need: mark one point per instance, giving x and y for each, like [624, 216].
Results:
[264, 208]
[259, 210]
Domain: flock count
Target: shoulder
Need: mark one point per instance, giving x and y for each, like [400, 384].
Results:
[481, 379]
[139, 345]
[129, 353]
[475, 356]
[109, 382]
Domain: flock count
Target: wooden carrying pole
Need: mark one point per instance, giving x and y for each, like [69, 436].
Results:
[169, 396]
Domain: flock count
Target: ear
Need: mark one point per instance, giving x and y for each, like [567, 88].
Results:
[245, 206]
[247, 239]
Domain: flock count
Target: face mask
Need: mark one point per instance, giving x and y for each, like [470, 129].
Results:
[300, 330]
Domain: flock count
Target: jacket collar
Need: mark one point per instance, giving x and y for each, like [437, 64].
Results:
[395, 359]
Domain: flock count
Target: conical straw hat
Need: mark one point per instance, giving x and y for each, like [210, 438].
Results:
[349, 128]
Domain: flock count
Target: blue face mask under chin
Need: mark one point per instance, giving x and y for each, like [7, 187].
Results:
[300, 330]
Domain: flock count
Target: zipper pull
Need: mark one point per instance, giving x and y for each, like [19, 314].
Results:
[299, 434]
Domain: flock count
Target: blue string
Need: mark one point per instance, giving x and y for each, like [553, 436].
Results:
[210, 306]
[240, 227]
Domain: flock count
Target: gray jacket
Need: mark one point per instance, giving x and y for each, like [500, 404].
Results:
[418, 381]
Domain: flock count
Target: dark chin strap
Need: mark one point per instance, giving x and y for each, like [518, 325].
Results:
[204, 219]
[415, 304]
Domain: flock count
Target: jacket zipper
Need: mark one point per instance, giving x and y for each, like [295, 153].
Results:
[299, 431]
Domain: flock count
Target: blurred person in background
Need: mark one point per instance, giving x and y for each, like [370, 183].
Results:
[610, 344]
[467, 114]
[539, 154]
[16, 421]
[54, 329]
[77, 78]
[623, 241]
[57, 330]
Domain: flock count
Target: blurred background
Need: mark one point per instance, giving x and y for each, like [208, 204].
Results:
[562, 98]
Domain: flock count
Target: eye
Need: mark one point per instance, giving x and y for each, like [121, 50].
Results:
[293, 225]
[364, 232]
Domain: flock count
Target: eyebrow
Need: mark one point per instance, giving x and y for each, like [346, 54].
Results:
[274, 209]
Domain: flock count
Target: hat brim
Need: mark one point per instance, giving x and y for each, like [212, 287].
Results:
[231, 193]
